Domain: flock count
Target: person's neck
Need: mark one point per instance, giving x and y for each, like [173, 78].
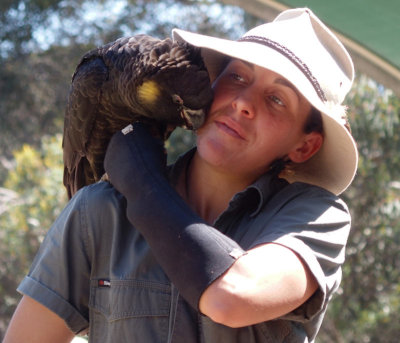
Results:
[208, 190]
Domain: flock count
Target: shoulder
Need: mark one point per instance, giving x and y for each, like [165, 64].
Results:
[302, 189]
[101, 203]
[98, 197]
[299, 203]
[313, 198]
[311, 221]
[99, 192]
[307, 213]
[94, 214]
[91, 208]
[315, 224]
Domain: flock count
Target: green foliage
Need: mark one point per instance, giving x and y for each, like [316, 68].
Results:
[179, 142]
[31, 199]
[19, 19]
[33, 93]
[368, 300]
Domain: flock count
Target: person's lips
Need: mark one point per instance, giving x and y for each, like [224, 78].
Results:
[230, 127]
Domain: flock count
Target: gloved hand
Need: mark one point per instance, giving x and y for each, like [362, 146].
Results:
[134, 158]
[192, 253]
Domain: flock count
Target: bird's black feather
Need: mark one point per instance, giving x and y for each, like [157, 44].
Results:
[134, 78]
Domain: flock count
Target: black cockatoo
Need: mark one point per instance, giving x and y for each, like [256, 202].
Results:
[137, 78]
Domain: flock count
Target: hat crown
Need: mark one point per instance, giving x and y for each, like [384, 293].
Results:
[304, 38]
[300, 48]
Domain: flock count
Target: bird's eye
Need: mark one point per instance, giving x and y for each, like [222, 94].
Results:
[177, 99]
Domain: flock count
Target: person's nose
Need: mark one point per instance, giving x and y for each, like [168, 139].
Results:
[243, 104]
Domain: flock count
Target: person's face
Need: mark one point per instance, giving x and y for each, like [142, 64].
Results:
[256, 117]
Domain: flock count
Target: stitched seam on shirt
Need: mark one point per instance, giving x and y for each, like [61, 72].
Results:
[152, 285]
[173, 312]
[84, 226]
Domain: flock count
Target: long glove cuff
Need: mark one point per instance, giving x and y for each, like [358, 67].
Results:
[192, 253]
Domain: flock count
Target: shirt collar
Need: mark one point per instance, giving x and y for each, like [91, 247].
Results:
[253, 198]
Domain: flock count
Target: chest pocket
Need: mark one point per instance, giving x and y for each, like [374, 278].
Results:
[129, 311]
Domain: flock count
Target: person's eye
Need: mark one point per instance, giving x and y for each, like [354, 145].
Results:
[276, 100]
[237, 77]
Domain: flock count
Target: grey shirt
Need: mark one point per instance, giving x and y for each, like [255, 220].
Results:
[98, 273]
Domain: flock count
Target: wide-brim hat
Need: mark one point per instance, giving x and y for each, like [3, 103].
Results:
[298, 46]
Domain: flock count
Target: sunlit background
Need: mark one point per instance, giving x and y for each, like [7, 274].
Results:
[41, 42]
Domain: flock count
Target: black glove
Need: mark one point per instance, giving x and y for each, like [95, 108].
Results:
[192, 253]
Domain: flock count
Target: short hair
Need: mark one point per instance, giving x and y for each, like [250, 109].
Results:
[314, 122]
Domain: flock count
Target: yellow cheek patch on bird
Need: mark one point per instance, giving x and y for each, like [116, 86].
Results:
[148, 91]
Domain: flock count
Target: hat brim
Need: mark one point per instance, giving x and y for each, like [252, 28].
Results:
[216, 50]
[334, 166]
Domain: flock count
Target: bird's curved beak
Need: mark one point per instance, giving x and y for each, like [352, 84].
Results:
[193, 118]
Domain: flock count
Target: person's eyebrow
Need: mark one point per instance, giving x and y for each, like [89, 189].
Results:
[280, 81]
[248, 64]
[286, 83]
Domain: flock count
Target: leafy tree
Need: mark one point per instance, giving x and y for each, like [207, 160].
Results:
[19, 19]
[368, 303]
[32, 198]
[33, 92]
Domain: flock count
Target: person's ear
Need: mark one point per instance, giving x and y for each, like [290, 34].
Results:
[311, 143]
